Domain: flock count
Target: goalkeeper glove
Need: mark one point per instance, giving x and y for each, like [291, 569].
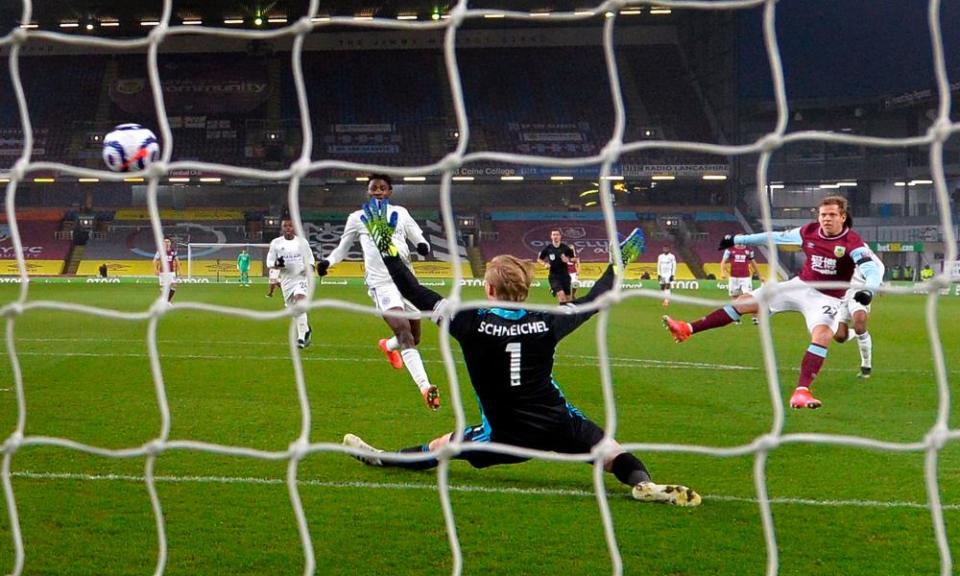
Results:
[380, 225]
[727, 242]
[423, 248]
[864, 297]
[322, 267]
[279, 263]
[632, 246]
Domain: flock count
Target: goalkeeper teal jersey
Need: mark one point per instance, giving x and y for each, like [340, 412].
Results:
[243, 262]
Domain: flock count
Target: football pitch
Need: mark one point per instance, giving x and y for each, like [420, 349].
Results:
[230, 381]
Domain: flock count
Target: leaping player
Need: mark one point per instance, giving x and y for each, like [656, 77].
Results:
[168, 280]
[834, 251]
[509, 355]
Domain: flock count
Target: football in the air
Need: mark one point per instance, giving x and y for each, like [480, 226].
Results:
[130, 147]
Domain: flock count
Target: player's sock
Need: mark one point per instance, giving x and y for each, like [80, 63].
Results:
[850, 336]
[666, 294]
[866, 349]
[420, 464]
[302, 326]
[629, 469]
[810, 366]
[716, 319]
[393, 344]
[414, 364]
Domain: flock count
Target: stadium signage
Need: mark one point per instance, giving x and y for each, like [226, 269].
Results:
[896, 246]
[675, 169]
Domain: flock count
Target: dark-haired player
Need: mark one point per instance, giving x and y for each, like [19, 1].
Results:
[401, 349]
[168, 280]
[834, 251]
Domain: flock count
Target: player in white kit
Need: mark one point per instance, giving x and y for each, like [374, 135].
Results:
[292, 256]
[401, 350]
[666, 270]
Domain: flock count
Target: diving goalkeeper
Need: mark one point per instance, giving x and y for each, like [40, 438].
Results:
[509, 356]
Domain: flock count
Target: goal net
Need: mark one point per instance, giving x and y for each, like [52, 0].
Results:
[220, 262]
[304, 444]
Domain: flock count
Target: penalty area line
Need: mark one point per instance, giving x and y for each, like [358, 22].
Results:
[464, 488]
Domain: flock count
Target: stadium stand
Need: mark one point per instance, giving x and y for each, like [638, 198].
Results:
[43, 251]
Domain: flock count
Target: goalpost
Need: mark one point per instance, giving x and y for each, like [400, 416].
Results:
[304, 444]
[218, 262]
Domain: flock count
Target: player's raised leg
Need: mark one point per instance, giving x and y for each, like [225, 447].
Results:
[719, 318]
[407, 335]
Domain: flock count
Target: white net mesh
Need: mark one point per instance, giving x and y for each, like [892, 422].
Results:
[940, 130]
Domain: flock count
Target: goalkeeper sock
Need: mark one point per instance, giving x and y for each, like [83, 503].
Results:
[866, 349]
[414, 364]
[810, 366]
[629, 469]
[393, 344]
[302, 326]
[420, 464]
[716, 319]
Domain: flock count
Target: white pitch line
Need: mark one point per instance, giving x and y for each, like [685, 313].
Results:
[306, 357]
[466, 488]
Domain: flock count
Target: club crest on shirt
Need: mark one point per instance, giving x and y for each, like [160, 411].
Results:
[839, 251]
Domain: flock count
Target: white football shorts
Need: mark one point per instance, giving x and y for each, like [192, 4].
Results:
[387, 297]
[168, 278]
[795, 295]
[849, 306]
[574, 280]
[740, 286]
[274, 275]
[293, 286]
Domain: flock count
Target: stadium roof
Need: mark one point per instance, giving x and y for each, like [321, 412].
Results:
[54, 11]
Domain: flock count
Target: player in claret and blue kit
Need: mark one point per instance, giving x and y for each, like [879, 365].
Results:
[509, 355]
[834, 251]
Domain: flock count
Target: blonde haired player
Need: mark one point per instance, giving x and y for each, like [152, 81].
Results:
[168, 280]
[292, 257]
[509, 354]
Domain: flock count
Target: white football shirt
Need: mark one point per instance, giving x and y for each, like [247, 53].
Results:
[666, 265]
[375, 270]
[293, 257]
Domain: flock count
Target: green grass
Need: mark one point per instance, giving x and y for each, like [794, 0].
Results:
[840, 510]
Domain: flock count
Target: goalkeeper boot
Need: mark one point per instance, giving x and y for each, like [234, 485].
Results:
[431, 395]
[666, 493]
[308, 337]
[393, 356]
[355, 442]
[680, 330]
[802, 398]
[864, 372]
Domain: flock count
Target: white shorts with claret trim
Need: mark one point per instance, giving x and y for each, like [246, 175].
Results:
[795, 295]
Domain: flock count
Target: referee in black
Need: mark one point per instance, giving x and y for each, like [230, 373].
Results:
[509, 356]
[556, 256]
